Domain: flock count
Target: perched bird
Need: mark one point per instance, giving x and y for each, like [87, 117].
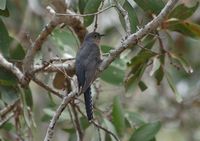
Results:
[88, 59]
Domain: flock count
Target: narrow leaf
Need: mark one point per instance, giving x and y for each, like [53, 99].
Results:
[183, 12]
[110, 127]
[142, 86]
[146, 132]
[185, 64]
[81, 5]
[113, 75]
[132, 82]
[17, 52]
[28, 97]
[135, 119]
[150, 6]
[159, 75]
[156, 66]
[132, 16]
[4, 40]
[173, 87]
[4, 12]
[2, 4]
[118, 116]
[184, 27]
[91, 7]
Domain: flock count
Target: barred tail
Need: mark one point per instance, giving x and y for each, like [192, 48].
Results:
[88, 103]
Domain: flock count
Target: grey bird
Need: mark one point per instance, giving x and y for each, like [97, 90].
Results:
[88, 59]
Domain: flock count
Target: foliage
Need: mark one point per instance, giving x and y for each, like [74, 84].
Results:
[152, 55]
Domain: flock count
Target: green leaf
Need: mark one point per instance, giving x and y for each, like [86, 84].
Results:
[156, 66]
[105, 48]
[50, 112]
[142, 86]
[28, 97]
[72, 137]
[159, 75]
[7, 126]
[146, 132]
[9, 93]
[173, 87]
[118, 115]
[91, 7]
[17, 52]
[69, 130]
[185, 64]
[26, 108]
[121, 2]
[4, 12]
[113, 75]
[66, 41]
[183, 12]
[132, 82]
[84, 123]
[135, 119]
[132, 16]
[151, 6]
[184, 27]
[142, 57]
[110, 127]
[7, 78]
[2, 4]
[81, 5]
[4, 40]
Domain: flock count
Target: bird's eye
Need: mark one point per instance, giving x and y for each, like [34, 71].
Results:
[95, 36]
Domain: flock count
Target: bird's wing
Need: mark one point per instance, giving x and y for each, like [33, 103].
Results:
[80, 72]
[90, 74]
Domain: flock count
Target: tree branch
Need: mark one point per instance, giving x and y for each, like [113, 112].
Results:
[11, 67]
[9, 108]
[56, 67]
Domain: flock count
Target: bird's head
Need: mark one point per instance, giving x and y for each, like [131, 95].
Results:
[94, 37]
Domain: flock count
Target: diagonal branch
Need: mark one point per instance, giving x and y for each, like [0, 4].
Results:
[65, 101]
[133, 38]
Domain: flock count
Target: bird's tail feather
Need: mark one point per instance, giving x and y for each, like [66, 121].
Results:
[88, 103]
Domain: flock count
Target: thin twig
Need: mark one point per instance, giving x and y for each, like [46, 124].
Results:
[5, 119]
[70, 13]
[71, 116]
[96, 17]
[97, 125]
[40, 83]
[106, 130]
[9, 108]
[77, 123]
